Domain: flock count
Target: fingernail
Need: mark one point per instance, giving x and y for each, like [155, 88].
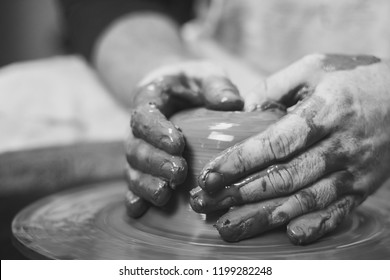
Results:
[174, 167]
[211, 181]
[197, 204]
[170, 172]
[135, 206]
[168, 167]
[232, 100]
[296, 235]
[271, 104]
[167, 142]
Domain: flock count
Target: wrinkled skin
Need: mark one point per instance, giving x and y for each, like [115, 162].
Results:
[313, 167]
[154, 146]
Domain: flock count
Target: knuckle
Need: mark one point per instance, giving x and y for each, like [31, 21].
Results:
[325, 197]
[133, 179]
[130, 174]
[288, 181]
[280, 179]
[300, 170]
[141, 153]
[240, 161]
[340, 210]
[341, 103]
[307, 199]
[346, 104]
[292, 175]
[279, 146]
[272, 182]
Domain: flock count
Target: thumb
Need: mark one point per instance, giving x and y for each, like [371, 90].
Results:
[288, 85]
[219, 93]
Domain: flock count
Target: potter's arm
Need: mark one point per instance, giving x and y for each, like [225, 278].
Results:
[126, 39]
[134, 46]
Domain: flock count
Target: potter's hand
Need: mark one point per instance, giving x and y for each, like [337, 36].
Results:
[154, 147]
[311, 168]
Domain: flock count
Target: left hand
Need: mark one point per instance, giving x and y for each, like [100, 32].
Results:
[312, 167]
[155, 145]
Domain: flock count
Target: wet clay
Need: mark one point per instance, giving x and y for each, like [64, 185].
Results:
[90, 222]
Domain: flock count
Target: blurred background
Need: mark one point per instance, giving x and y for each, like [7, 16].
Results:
[53, 133]
[29, 30]
[54, 129]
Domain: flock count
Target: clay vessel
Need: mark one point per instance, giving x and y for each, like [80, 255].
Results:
[207, 133]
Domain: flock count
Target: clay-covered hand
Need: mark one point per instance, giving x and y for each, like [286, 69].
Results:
[312, 167]
[154, 146]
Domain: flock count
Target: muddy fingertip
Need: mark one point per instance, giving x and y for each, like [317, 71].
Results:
[221, 94]
[228, 230]
[135, 206]
[296, 235]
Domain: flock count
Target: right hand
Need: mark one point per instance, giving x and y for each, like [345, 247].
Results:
[155, 145]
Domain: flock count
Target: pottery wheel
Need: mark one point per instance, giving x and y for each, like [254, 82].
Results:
[90, 222]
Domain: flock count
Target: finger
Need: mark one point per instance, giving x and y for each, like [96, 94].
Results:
[219, 93]
[253, 219]
[246, 221]
[149, 124]
[148, 159]
[278, 180]
[180, 91]
[150, 188]
[310, 227]
[280, 141]
[284, 85]
[169, 93]
[135, 206]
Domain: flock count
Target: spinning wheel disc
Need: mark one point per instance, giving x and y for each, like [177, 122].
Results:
[91, 223]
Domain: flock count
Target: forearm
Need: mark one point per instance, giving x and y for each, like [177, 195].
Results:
[132, 47]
